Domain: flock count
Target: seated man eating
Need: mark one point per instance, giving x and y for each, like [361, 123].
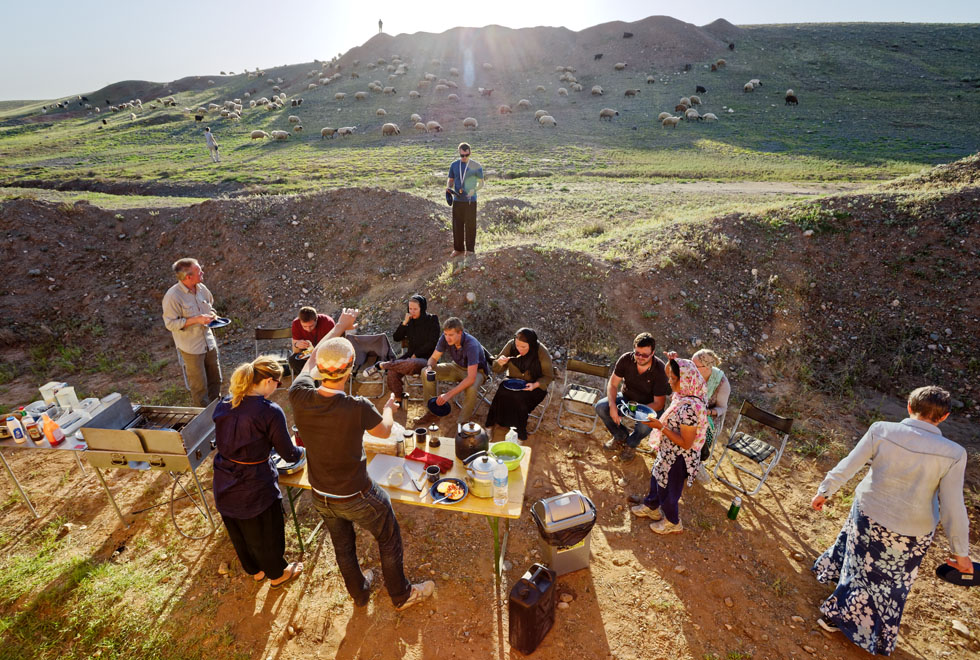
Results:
[469, 366]
[308, 329]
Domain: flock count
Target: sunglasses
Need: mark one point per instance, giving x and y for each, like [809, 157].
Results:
[643, 356]
[464, 155]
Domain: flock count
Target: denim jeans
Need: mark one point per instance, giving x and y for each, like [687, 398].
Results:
[373, 512]
[667, 499]
[620, 431]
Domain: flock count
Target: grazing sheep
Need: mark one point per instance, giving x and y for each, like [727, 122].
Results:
[721, 64]
[413, 94]
[487, 66]
[538, 114]
[424, 84]
[293, 119]
[700, 90]
[661, 116]
[695, 100]
[414, 118]
[692, 115]
[524, 104]
[453, 97]
[390, 129]
[454, 72]
[547, 120]
[504, 110]
[680, 107]
[298, 128]
[748, 87]
[627, 35]
[619, 66]
[709, 116]
[132, 116]
[429, 76]
[562, 91]
[251, 103]
[452, 84]
[381, 112]
[360, 96]
[276, 89]
[354, 75]
[792, 100]
[471, 123]
[279, 135]
[597, 57]
[198, 117]
[389, 90]
[346, 130]
[540, 88]
[671, 121]
[441, 88]
[756, 82]
[576, 87]
[420, 127]
[651, 80]
[608, 113]
[596, 90]
[714, 67]
[311, 86]
[631, 92]
[327, 132]
[433, 126]
[685, 100]
[339, 96]
[486, 92]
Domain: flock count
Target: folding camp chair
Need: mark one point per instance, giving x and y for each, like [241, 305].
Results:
[283, 352]
[538, 413]
[578, 399]
[368, 351]
[757, 450]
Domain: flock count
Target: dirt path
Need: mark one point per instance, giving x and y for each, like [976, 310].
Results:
[757, 187]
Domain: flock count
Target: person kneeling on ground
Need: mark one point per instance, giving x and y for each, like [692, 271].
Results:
[247, 427]
[307, 330]
[525, 358]
[677, 438]
[469, 366]
[642, 375]
[421, 330]
[332, 424]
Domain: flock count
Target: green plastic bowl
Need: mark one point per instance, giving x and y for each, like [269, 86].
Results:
[510, 453]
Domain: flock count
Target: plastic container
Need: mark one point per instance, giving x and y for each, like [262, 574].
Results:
[565, 524]
[531, 608]
[52, 431]
[16, 430]
[49, 391]
[66, 397]
[500, 494]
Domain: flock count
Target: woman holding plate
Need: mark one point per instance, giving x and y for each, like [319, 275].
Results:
[529, 372]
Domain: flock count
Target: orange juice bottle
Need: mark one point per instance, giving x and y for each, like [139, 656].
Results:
[52, 431]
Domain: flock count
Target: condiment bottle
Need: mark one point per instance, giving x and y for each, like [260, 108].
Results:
[16, 430]
[52, 431]
[32, 429]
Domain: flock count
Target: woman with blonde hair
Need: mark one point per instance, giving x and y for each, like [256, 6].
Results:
[246, 483]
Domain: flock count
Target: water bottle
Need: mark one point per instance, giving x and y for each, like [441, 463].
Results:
[500, 484]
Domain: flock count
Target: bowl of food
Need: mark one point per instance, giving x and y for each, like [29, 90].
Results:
[509, 452]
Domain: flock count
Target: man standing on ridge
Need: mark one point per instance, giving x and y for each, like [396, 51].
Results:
[465, 179]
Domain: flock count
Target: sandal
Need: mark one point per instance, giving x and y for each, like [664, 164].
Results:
[293, 570]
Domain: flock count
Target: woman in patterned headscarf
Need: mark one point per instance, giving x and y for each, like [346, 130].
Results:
[677, 438]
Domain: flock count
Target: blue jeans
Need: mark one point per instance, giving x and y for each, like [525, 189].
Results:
[373, 512]
[668, 498]
[620, 431]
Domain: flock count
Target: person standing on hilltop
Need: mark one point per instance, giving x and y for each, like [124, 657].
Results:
[379, 26]
[465, 179]
[212, 144]
[187, 311]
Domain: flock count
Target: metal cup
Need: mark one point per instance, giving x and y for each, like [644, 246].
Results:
[432, 472]
[420, 437]
[430, 375]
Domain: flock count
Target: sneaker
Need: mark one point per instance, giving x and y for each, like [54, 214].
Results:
[827, 626]
[627, 455]
[456, 253]
[369, 578]
[420, 592]
[643, 511]
[613, 443]
[664, 526]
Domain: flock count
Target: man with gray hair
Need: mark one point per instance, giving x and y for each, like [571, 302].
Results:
[187, 311]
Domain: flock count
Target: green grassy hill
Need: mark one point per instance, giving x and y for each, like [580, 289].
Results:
[876, 101]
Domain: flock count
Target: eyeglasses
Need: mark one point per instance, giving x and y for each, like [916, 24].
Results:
[464, 155]
[643, 356]
[278, 382]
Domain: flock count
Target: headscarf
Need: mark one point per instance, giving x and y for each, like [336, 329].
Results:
[691, 392]
[420, 299]
[530, 363]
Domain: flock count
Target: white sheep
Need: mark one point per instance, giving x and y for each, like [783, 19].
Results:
[487, 66]
[453, 97]
[339, 96]
[608, 113]
[504, 110]
[695, 100]
[547, 120]
[619, 66]
[251, 104]
[662, 116]
[577, 87]
[748, 87]
[132, 116]
[327, 132]
[381, 112]
[390, 129]
[524, 104]
[360, 96]
[430, 77]
[276, 89]
[709, 116]
[692, 115]
[293, 119]
[346, 130]
[756, 82]
[415, 118]
[671, 121]
[540, 88]
[596, 90]
[298, 128]
[651, 80]
[685, 100]
[439, 89]
[420, 127]
[413, 94]
[470, 123]
[311, 86]
[562, 91]
[538, 114]
[388, 90]
[433, 126]
[790, 92]
[454, 72]
[279, 135]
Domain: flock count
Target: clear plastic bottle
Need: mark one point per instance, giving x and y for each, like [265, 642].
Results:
[52, 431]
[500, 484]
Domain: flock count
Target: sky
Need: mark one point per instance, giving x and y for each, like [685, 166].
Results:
[63, 47]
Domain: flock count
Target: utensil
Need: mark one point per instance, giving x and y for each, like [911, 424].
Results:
[515, 384]
[438, 497]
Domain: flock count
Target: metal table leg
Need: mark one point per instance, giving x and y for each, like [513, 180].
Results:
[291, 496]
[499, 545]
[204, 501]
[111, 498]
[79, 461]
[17, 483]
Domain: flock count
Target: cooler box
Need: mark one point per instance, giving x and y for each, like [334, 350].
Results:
[565, 524]
[531, 609]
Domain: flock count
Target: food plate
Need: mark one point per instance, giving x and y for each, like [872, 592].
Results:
[436, 409]
[219, 322]
[642, 414]
[284, 467]
[453, 481]
[515, 384]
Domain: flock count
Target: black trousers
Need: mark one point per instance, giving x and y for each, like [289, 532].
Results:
[260, 542]
[296, 364]
[464, 226]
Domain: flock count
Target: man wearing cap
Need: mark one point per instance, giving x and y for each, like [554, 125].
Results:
[332, 426]
[469, 366]
[187, 311]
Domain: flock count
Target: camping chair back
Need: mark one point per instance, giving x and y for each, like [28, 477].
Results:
[753, 447]
[282, 353]
[579, 399]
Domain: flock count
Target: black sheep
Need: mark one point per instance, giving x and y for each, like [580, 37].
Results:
[792, 100]
[105, 123]
[627, 35]
[731, 46]
[85, 98]
[597, 57]
[198, 117]
[700, 90]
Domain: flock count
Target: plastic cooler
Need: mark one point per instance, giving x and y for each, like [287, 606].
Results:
[565, 524]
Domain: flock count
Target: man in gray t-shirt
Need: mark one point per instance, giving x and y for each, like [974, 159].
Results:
[465, 178]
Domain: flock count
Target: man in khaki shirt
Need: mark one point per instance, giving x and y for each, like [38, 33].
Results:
[187, 311]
